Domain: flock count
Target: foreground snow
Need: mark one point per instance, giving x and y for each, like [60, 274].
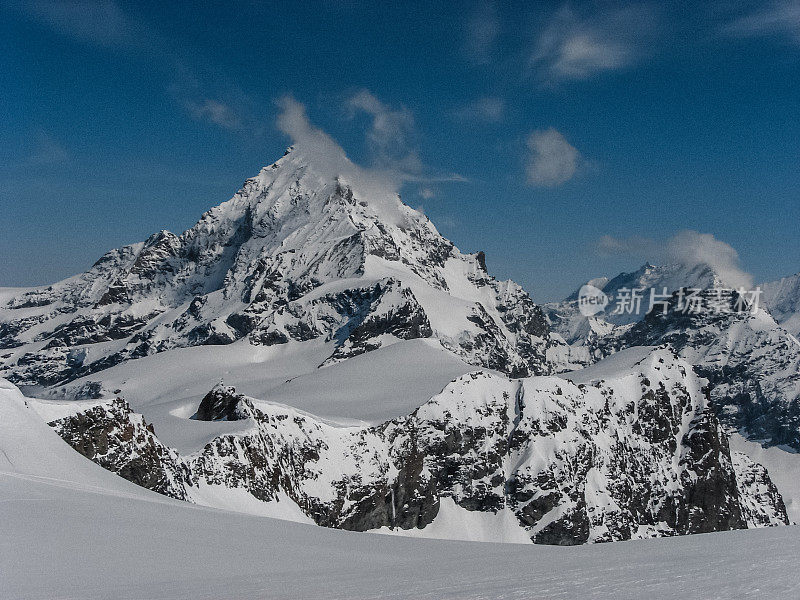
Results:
[62, 540]
[73, 530]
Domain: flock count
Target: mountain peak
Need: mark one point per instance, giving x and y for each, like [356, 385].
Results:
[314, 247]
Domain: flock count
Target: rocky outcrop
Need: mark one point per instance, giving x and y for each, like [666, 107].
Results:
[639, 455]
[222, 404]
[121, 441]
[762, 504]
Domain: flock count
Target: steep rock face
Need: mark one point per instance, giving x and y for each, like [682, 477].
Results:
[121, 441]
[311, 248]
[639, 455]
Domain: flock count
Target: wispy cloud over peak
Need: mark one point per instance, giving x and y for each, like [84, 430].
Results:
[294, 122]
[688, 247]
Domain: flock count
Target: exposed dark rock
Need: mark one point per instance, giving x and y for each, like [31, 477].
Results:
[481, 258]
[712, 497]
[221, 404]
[122, 442]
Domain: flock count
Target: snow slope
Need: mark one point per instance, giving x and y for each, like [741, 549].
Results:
[72, 530]
[31, 451]
[372, 387]
[71, 542]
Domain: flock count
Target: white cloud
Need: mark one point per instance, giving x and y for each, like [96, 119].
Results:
[489, 109]
[780, 18]
[216, 112]
[481, 33]
[294, 122]
[577, 46]
[427, 193]
[552, 160]
[390, 136]
[327, 153]
[687, 247]
[691, 247]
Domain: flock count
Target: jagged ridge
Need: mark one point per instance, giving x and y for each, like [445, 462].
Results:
[311, 248]
[640, 455]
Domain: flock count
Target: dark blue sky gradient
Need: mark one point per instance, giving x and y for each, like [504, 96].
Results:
[697, 127]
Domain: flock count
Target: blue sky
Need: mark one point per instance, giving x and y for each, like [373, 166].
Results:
[567, 140]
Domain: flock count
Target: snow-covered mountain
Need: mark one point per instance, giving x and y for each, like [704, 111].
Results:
[565, 318]
[73, 529]
[782, 299]
[634, 455]
[751, 362]
[316, 286]
[312, 248]
[582, 332]
[749, 357]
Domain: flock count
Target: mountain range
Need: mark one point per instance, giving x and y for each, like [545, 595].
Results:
[376, 378]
